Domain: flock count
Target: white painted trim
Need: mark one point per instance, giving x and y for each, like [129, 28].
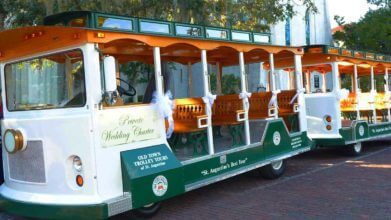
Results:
[244, 90]
[206, 93]
[355, 83]
[300, 98]
[373, 93]
[336, 90]
[273, 83]
[158, 71]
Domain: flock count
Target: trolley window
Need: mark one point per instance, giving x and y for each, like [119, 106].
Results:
[54, 81]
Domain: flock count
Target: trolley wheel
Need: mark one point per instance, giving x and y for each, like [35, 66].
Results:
[353, 149]
[148, 211]
[273, 170]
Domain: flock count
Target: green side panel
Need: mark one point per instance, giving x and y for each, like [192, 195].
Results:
[347, 134]
[380, 129]
[43, 211]
[325, 142]
[276, 143]
[151, 174]
[360, 130]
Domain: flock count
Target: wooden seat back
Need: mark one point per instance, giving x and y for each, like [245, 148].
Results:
[259, 105]
[185, 114]
[365, 100]
[283, 101]
[225, 109]
[381, 101]
[349, 104]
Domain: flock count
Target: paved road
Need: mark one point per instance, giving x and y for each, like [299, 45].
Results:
[321, 184]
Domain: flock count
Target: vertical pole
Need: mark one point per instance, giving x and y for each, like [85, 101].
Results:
[218, 78]
[268, 80]
[206, 93]
[324, 85]
[355, 83]
[189, 80]
[387, 92]
[336, 90]
[272, 73]
[373, 94]
[292, 76]
[308, 81]
[273, 82]
[261, 74]
[158, 77]
[158, 71]
[245, 101]
[300, 98]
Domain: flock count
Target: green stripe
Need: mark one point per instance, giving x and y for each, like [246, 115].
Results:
[45, 211]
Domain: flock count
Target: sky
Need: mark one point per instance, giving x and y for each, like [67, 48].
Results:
[352, 10]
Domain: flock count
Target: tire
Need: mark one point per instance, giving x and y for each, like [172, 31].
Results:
[274, 170]
[148, 211]
[353, 149]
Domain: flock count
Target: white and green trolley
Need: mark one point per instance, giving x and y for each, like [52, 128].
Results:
[106, 114]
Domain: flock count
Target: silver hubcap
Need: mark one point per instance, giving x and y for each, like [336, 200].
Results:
[357, 147]
[149, 205]
[277, 164]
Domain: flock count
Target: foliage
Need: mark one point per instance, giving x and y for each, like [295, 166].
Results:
[136, 72]
[230, 84]
[371, 33]
[253, 15]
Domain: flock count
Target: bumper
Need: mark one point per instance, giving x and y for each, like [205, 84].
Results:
[46, 211]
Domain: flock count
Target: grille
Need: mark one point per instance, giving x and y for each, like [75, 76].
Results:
[28, 165]
[120, 204]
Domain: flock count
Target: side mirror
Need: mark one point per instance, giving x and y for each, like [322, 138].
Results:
[110, 80]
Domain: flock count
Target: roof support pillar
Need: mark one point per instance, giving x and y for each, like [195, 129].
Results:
[324, 83]
[208, 99]
[373, 94]
[336, 91]
[158, 71]
[273, 102]
[244, 95]
[357, 92]
[300, 93]
[387, 92]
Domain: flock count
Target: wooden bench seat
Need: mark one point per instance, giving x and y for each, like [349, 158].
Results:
[186, 114]
[259, 105]
[349, 104]
[283, 101]
[227, 109]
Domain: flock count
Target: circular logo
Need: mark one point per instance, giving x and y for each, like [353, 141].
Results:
[361, 130]
[159, 185]
[276, 138]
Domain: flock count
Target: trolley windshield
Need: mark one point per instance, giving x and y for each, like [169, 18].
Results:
[54, 81]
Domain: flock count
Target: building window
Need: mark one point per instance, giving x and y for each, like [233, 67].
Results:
[307, 28]
[316, 82]
[288, 32]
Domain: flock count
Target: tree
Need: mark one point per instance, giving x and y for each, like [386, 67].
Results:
[254, 15]
[371, 33]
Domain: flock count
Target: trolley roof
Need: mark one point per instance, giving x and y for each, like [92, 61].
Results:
[321, 55]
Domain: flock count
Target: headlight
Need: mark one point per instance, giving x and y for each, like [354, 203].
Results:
[77, 164]
[13, 140]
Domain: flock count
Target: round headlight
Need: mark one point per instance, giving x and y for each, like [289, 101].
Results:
[77, 164]
[13, 140]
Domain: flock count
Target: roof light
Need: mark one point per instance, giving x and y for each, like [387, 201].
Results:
[100, 35]
[344, 63]
[364, 65]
